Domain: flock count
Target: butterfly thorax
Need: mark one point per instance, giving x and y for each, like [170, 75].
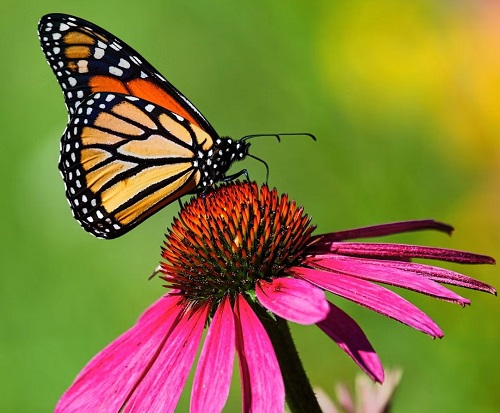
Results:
[214, 163]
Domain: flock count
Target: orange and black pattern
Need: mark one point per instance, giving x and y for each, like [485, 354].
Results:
[133, 142]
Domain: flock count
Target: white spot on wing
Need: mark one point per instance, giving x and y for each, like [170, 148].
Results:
[83, 66]
[124, 63]
[99, 53]
[115, 71]
[136, 59]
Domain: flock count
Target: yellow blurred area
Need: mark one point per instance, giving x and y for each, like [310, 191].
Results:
[393, 58]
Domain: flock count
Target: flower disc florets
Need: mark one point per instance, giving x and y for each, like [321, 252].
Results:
[227, 240]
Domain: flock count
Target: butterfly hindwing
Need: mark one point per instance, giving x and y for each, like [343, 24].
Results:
[123, 158]
[87, 59]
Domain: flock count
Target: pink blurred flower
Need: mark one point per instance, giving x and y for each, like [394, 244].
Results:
[368, 397]
[236, 259]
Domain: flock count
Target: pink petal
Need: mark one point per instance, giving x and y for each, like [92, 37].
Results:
[385, 272]
[215, 366]
[263, 388]
[404, 251]
[293, 299]
[382, 230]
[342, 329]
[372, 296]
[160, 389]
[324, 401]
[112, 375]
[376, 398]
[345, 400]
[444, 276]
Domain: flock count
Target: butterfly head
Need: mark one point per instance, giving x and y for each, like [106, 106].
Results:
[219, 159]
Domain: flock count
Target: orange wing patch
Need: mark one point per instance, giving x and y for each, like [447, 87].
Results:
[76, 37]
[175, 129]
[154, 147]
[148, 90]
[115, 124]
[128, 188]
[101, 176]
[90, 157]
[132, 112]
[100, 83]
[77, 52]
[91, 136]
[157, 200]
[141, 88]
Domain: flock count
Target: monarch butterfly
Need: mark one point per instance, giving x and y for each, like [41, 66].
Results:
[133, 142]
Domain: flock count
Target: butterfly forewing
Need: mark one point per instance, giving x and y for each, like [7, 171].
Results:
[87, 59]
[123, 158]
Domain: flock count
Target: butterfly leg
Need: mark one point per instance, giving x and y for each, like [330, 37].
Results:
[236, 175]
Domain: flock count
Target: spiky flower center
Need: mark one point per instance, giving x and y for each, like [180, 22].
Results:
[226, 240]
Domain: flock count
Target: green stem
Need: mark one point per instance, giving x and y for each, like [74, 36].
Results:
[300, 396]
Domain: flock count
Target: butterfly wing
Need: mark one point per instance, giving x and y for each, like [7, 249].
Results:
[87, 59]
[123, 158]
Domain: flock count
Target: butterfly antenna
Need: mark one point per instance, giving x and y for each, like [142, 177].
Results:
[278, 135]
[264, 162]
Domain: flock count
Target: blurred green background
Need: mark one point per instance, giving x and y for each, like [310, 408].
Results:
[404, 98]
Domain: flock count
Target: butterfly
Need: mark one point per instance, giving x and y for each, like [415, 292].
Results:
[133, 142]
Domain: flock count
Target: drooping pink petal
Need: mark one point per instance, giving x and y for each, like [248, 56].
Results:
[385, 272]
[342, 329]
[159, 390]
[215, 366]
[262, 383]
[372, 296]
[444, 276]
[382, 230]
[404, 251]
[109, 378]
[293, 299]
